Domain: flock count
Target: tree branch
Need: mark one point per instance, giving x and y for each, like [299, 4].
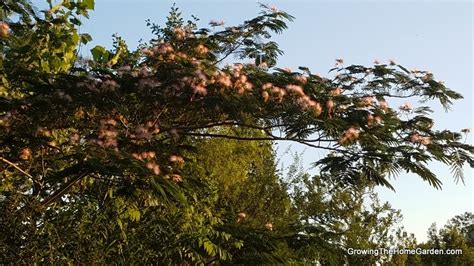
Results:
[16, 167]
[271, 137]
[60, 192]
[223, 123]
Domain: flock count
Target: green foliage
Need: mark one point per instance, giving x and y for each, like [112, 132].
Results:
[333, 218]
[47, 45]
[455, 235]
[164, 155]
[100, 54]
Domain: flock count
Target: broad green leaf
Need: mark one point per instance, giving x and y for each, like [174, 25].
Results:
[99, 53]
[90, 4]
[86, 38]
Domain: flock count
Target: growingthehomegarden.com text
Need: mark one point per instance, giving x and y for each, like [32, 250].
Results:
[403, 251]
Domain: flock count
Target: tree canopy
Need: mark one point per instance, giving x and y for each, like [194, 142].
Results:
[164, 153]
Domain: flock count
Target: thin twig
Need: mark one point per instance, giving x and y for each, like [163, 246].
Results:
[271, 137]
[64, 189]
[16, 167]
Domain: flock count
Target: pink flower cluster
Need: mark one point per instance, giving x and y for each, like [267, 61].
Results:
[199, 83]
[406, 107]
[150, 164]
[4, 29]
[302, 99]
[215, 23]
[176, 159]
[241, 216]
[154, 167]
[108, 134]
[339, 61]
[373, 120]
[335, 92]
[175, 178]
[349, 135]
[25, 154]
[144, 155]
[269, 226]
[223, 79]
[241, 83]
[109, 85]
[366, 101]
[277, 92]
[179, 33]
[301, 78]
[144, 132]
[163, 49]
[296, 89]
[383, 105]
[417, 138]
[201, 49]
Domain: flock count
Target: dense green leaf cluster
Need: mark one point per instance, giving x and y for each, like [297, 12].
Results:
[164, 154]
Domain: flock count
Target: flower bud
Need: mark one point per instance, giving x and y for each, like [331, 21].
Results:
[4, 29]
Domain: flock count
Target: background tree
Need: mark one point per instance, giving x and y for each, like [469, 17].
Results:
[453, 236]
[123, 144]
[405, 241]
[333, 218]
[456, 234]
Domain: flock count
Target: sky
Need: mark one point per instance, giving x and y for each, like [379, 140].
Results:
[427, 35]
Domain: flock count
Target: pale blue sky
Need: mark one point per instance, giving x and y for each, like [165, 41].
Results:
[428, 35]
